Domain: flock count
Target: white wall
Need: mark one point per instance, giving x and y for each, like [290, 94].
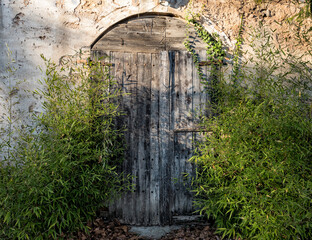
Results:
[58, 28]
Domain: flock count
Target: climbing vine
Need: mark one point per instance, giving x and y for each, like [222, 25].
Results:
[215, 53]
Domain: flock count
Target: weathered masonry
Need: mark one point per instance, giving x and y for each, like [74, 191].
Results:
[164, 95]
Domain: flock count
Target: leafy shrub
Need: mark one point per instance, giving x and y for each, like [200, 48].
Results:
[63, 169]
[254, 165]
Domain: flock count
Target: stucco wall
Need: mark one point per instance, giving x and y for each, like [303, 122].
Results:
[58, 28]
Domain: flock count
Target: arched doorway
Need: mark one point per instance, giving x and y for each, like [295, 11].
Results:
[150, 63]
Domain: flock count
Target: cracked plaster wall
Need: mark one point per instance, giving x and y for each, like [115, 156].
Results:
[57, 28]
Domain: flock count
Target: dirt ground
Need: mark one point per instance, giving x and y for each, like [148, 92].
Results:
[114, 230]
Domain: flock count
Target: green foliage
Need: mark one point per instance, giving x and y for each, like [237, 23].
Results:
[215, 53]
[64, 168]
[254, 165]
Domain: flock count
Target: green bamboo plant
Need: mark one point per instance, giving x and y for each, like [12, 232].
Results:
[63, 167]
[254, 165]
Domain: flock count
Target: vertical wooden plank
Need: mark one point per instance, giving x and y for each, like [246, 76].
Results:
[204, 97]
[179, 145]
[117, 59]
[173, 77]
[186, 99]
[146, 136]
[129, 100]
[141, 161]
[184, 113]
[164, 139]
[134, 133]
[144, 84]
[126, 111]
[196, 119]
[202, 100]
[188, 91]
[196, 105]
[154, 144]
[186, 205]
[196, 92]
[176, 113]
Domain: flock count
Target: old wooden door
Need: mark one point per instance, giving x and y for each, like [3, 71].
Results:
[150, 63]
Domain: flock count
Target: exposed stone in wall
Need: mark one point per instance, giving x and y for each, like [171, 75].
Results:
[278, 15]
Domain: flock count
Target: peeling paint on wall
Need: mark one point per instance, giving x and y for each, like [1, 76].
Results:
[18, 19]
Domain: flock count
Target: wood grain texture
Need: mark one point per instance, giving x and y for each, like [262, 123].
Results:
[164, 139]
[162, 99]
[154, 200]
[149, 35]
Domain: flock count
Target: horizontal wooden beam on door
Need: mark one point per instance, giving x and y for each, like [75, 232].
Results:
[182, 130]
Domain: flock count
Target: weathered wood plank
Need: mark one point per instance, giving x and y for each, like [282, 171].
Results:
[119, 41]
[133, 47]
[133, 131]
[140, 105]
[143, 118]
[143, 43]
[148, 23]
[196, 92]
[135, 36]
[180, 138]
[204, 97]
[189, 91]
[118, 59]
[172, 76]
[159, 114]
[188, 169]
[164, 139]
[156, 34]
[186, 119]
[130, 88]
[177, 31]
[147, 78]
[154, 143]
[154, 29]
[175, 121]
